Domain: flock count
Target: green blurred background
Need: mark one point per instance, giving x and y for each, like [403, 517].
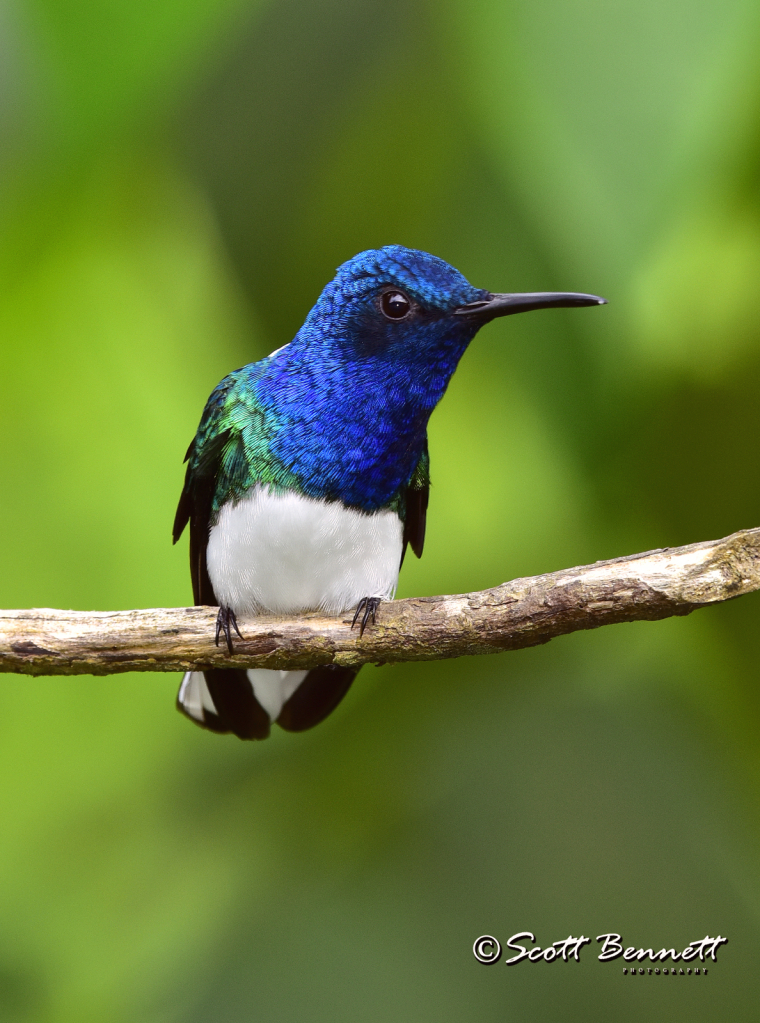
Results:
[178, 179]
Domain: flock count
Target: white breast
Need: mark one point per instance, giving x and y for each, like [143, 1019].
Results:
[284, 553]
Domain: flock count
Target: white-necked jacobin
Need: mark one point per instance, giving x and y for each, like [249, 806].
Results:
[309, 474]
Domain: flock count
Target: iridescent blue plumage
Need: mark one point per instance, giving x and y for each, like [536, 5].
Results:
[318, 453]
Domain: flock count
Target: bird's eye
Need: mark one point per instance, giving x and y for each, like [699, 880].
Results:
[395, 305]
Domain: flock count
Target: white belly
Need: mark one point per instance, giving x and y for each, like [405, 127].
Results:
[284, 553]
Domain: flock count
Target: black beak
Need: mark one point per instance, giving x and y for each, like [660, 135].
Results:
[505, 305]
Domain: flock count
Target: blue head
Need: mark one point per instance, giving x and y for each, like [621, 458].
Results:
[355, 388]
[394, 304]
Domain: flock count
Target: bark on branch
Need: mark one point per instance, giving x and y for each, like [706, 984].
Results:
[521, 613]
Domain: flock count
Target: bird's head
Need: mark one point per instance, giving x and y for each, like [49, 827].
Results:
[411, 307]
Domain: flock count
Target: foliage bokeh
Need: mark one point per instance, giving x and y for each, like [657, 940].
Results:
[178, 181]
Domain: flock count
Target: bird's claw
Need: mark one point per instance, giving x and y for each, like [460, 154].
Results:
[369, 606]
[224, 620]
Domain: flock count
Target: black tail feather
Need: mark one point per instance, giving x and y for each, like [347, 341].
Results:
[316, 697]
[237, 709]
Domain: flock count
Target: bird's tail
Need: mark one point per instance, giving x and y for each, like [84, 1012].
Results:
[247, 702]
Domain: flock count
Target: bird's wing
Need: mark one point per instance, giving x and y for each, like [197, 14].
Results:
[215, 462]
[415, 515]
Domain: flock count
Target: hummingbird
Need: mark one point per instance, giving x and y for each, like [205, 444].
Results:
[309, 475]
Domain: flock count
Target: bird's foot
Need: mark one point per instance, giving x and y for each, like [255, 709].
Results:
[224, 620]
[369, 606]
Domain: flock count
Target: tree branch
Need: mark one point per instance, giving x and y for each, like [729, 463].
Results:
[521, 613]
